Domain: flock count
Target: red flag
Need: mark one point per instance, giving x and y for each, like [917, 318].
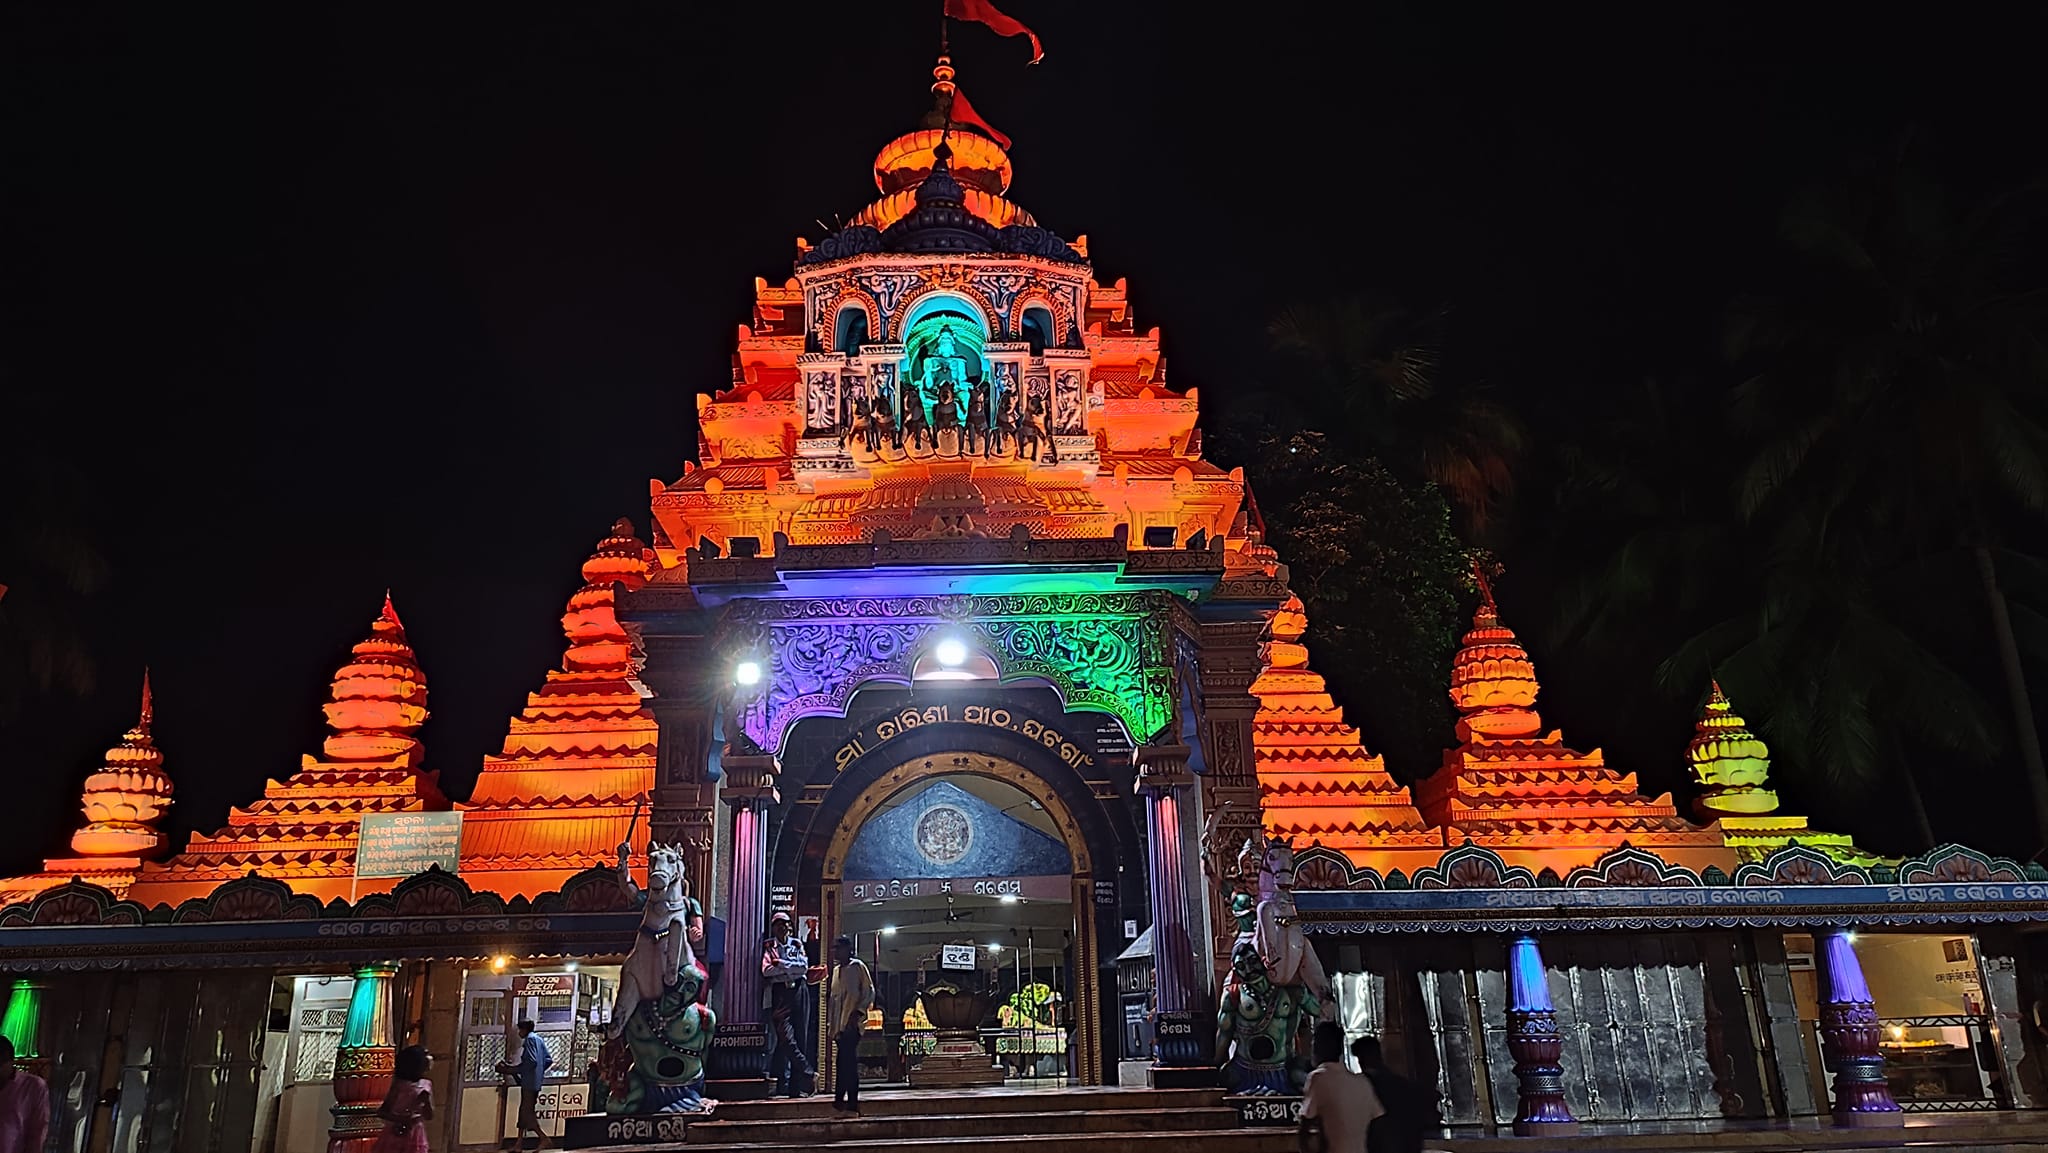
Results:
[983, 12]
[964, 113]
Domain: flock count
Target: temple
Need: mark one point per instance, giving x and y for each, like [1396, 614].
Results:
[945, 635]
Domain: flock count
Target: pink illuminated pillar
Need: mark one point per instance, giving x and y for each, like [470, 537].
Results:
[1183, 1031]
[1535, 1044]
[1849, 1031]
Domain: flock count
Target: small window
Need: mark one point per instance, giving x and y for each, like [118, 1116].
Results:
[851, 331]
[1038, 330]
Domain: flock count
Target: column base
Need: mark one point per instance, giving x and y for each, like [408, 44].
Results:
[1546, 1128]
[1888, 1120]
[1180, 1077]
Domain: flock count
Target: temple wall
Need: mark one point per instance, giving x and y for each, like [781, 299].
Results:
[1640, 1039]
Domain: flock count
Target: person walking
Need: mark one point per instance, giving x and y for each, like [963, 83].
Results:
[1341, 1102]
[784, 969]
[853, 994]
[531, 1066]
[24, 1106]
[408, 1103]
[1410, 1109]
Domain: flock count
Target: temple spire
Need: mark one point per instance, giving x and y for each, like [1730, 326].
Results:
[124, 800]
[379, 698]
[1731, 764]
[1493, 681]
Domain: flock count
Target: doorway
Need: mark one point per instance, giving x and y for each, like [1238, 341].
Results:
[965, 870]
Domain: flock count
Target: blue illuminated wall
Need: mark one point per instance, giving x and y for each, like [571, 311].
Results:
[946, 831]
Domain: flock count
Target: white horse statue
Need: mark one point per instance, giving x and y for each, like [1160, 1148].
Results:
[671, 923]
[1277, 934]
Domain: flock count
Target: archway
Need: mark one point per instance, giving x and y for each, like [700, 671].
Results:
[1005, 858]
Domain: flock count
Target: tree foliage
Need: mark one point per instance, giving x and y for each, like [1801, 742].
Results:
[1382, 575]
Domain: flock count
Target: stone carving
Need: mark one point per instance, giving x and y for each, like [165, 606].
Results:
[1284, 948]
[671, 925]
[853, 240]
[1102, 651]
[821, 403]
[1260, 1026]
[653, 1059]
[1070, 407]
[1030, 240]
[977, 419]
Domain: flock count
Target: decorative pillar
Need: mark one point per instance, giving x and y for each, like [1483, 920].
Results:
[23, 1024]
[1534, 1042]
[364, 1061]
[1849, 1036]
[1182, 1029]
[739, 1052]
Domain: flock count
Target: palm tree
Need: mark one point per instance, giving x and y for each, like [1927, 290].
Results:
[1898, 401]
[1372, 378]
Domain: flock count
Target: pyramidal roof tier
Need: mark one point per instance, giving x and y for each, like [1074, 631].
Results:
[1519, 791]
[1317, 783]
[1732, 767]
[580, 758]
[303, 830]
[122, 803]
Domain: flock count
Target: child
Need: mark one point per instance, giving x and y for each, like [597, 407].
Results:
[409, 1103]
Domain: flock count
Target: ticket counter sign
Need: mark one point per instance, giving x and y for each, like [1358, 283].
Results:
[401, 844]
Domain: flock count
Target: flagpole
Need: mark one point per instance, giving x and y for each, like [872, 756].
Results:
[945, 28]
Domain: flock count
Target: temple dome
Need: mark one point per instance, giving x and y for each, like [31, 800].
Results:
[980, 165]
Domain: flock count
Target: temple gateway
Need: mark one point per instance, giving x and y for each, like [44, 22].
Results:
[950, 639]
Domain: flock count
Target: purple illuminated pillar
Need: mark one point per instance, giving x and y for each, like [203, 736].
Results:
[742, 1052]
[1849, 1033]
[1534, 1043]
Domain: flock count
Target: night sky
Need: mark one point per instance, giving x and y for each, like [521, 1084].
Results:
[420, 296]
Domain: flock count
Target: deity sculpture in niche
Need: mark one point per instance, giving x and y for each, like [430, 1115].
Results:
[653, 1058]
[1069, 406]
[821, 403]
[943, 371]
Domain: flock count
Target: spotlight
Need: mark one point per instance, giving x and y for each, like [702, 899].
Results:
[1009, 898]
[747, 673]
[888, 930]
[952, 652]
[570, 966]
[994, 948]
[499, 962]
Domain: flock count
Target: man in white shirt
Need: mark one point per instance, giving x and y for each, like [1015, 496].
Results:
[1343, 1101]
[853, 994]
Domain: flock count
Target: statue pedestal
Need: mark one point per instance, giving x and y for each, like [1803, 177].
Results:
[958, 1062]
[1184, 1040]
[595, 1130]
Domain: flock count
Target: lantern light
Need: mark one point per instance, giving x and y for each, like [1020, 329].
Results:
[747, 673]
[951, 651]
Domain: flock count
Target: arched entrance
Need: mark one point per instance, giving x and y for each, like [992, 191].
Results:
[981, 852]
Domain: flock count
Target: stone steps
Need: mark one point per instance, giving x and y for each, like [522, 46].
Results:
[899, 1102]
[922, 1127]
[1167, 1141]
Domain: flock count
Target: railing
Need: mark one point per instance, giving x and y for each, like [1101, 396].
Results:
[1942, 1064]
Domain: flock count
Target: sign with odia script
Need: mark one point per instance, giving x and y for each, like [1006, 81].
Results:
[401, 844]
[956, 957]
[887, 729]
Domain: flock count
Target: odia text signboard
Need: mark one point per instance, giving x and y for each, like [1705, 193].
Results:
[401, 844]
[956, 956]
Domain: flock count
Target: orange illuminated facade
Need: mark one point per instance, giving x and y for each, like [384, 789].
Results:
[303, 830]
[579, 760]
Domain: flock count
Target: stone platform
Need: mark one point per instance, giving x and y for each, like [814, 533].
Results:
[1018, 1119]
